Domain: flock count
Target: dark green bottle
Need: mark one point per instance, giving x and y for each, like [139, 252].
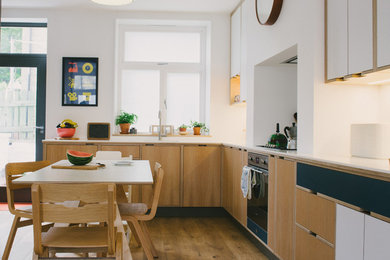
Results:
[278, 140]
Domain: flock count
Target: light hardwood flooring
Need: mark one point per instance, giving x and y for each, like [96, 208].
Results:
[174, 238]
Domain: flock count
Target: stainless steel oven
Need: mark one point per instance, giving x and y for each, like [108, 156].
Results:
[257, 204]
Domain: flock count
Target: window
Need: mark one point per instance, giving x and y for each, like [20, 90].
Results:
[26, 38]
[162, 68]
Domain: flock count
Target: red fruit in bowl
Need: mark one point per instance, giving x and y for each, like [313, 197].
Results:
[66, 132]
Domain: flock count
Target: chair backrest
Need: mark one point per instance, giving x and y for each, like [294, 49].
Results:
[158, 177]
[14, 171]
[108, 155]
[96, 204]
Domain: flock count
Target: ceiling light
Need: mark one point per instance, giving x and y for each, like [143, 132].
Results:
[113, 2]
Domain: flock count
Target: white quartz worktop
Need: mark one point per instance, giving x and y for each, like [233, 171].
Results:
[377, 168]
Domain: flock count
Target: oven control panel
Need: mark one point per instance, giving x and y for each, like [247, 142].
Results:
[258, 160]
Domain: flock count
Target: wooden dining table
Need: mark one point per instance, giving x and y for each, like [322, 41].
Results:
[113, 171]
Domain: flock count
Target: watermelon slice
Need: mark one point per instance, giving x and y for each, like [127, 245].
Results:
[79, 158]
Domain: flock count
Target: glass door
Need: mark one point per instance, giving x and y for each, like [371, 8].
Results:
[22, 108]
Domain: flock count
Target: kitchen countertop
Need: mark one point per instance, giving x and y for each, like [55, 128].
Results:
[374, 168]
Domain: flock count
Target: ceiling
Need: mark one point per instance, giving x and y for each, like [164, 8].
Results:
[214, 6]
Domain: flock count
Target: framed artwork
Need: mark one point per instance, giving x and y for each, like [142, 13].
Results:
[80, 81]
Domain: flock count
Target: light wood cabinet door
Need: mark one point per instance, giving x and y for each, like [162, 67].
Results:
[239, 202]
[57, 152]
[309, 247]
[126, 150]
[227, 180]
[202, 176]
[376, 239]
[317, 214]
[383, 32]
[285, 208]
[349, 233]
[271, 229]
[337, 38]
[360, 36]
[169, 158]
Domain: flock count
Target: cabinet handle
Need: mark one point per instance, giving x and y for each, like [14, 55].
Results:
[149, 144]
[89, 144]
[203, 145]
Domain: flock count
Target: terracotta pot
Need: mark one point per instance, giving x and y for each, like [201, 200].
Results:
[196, 130]
[124, 128]
[66, 132]
[183, 129]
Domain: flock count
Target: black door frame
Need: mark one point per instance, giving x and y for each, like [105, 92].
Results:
[33, 61]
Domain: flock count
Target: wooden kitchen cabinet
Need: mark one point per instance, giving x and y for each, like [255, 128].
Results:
[309, 247]
[234, 159]
[126, 150]
[227, 179]
[239, 202]
[281, 207]
[57, 152]
[202, 176]
[169, 158]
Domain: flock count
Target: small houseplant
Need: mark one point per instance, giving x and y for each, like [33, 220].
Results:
[66, 129]
[124, 120]
[183, 128]
[197, 127]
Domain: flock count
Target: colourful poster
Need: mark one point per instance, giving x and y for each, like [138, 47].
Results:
[79, 81]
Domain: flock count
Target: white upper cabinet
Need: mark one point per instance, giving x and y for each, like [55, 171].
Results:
[349, 37]
[235, 43]
[376, 239]
[349, 234]
[383, 32]
[360, 36]
[337, 39]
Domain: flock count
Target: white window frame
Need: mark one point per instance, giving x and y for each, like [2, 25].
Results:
[202, 27]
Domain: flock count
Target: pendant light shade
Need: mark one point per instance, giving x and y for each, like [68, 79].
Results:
[113, 2]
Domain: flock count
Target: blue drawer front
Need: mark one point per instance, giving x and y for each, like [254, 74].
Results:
[366, 193]
[260, 233]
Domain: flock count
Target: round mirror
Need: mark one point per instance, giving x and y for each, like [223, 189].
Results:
[268, 11]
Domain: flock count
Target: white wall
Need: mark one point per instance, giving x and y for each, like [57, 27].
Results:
[91, 33]
[276, 99]
[325, 112]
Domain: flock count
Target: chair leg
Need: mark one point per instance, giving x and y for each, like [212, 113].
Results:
[144, 241]
[134, 233]
[147, 235]
[119, 247]
[11, 237]
[35, 256]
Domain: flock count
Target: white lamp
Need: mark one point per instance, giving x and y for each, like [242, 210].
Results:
[113, 2]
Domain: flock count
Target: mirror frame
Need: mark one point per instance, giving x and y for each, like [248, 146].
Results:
[274, 14]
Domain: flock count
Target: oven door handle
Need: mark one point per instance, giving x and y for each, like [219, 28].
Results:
[264, 172]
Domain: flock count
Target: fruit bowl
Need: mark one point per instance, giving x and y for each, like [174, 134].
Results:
[66, 132]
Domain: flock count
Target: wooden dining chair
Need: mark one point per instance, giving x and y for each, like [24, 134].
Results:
[12, 172]
[135, 214]
[96, 204]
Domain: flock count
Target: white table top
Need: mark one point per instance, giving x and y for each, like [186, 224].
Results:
[138, 172]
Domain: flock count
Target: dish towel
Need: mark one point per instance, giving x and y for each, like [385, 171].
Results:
[246, 181]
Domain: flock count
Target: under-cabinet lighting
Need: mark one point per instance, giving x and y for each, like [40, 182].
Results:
[379, 82]
[113, 2]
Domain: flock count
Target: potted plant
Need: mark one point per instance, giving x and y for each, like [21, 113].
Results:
[124, 120]
[197, 127]
[66, 129]
[183, 128]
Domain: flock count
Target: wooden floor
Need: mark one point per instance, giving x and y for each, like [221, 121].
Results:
[174, 238]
